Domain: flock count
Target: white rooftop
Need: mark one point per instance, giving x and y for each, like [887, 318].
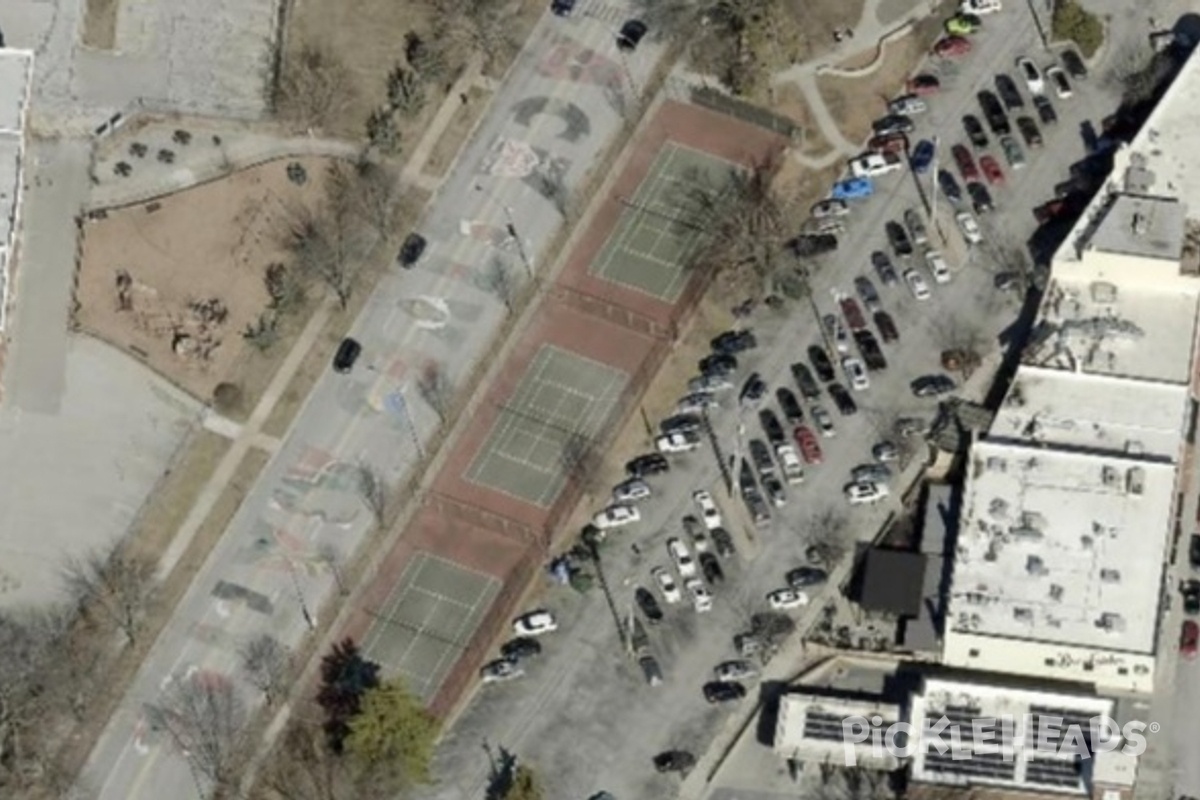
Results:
[812, 727]
[1093, 412]
[1060, 547]
[1099, 328]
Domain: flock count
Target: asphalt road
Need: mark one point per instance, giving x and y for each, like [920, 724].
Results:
[582, 715]
[274, 556]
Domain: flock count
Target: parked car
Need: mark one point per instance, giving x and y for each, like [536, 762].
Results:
[916, 226]
[666, 585]
[1073, 64]
[890, 144]
[809, 388]
[709, 513]
[887, 327]
[771, 427]
[885, 451]
[674, 760]
[909, 105]
[1058, 79]
[811, 245]
[821, 364]
[923, 84]
[837, 333]
[1012, 152]
[868, 294]
[647, 465]
[753, 389]
[702, 599]
[696, 403]
[1189, 636]
[991, 170]
[617, 516]
[898, 239]
[535, 623]
[1194, 551]
[734, 671]
[892, 123]
[852, 189]
[697, 533]
[824, 422]
[916, 284]
[723, 542]
[884, 268]
[411, 250]
[787, 599]
[856, 374]
[793, 470]
[649, 606]
[871, 473]
[709, 384]
[961, 25]
[965, 162]
[993, 112]
[500, 670]
[520, 649]
[760, 454]
[1045, 110]
[631, 34]
[792, 411]
[685, 565]
[969, 227]
[681, 442]
[1190, 590]
[974, 130]
[1029, 131]
[949, 186]
[872, 353]
[981, 198]
[347, 353]
[734, 342]
[651, 672]
[842, 399]
[722, 364]
[774, 490]
[937, 266]
[810, 448]
[679, 423]
[922, 157]
[852, 313]
[802, 577]
[829, 208]
[1032, 75]
[932, 385]
[1006, 87]
[952, 47]
[875, 165]
[723, 691]
[861, 493]
[979, 7]
[631, 491]
[562, 8]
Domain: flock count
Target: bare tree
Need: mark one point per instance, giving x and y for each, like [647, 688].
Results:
[118, 587]
[434, 385]
[266, 663]
[373, 490]
[749, 225]
[497, 277]
[829, 538]
[373, 191]
[962, 341]
[463, 29]
[405, 91]
[314, 89]
[582, 461]
[205, 718]
[304, 768]
[382, 132]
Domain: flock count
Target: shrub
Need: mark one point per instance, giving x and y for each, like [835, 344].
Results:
[1072, 21]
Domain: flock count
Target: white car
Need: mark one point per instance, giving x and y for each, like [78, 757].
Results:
[979, 7]
[787, 599]
[856, 373]
[916, 284]
[873, 165]
[666, 585]
[969, 227]
[837, 332]
[678, 442]
[793, 468]
[682, 556]
[734, 671]
[501, 670]
[702, 598]
[1058, 79]
[865, 492]
[616, 516]
[824, 422]
[631, 491]
[937, 266]
[535, 623]
[909, 105]
[708, 508]
[1032, 75]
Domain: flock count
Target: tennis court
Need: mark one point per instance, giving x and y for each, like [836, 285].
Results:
[562, 402]
[657, 231]
[427, 621]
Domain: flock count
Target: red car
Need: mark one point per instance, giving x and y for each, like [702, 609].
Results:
[966, 162]
[853, 314]
[1188, 638]
[806, 440]
[952, 47]
[923, 85]
[891, 143]
[991, 170]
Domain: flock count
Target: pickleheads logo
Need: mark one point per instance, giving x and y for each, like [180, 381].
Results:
[1005, 736]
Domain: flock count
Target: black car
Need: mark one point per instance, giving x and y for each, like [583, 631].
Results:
[975, 131]
[842, 399]
[562, 8]
[949, 186]
[680, 423]
[806, 576]
[731, 343]
[792, 412]
[1194, 551]
[771, 427]
[1191, 596]
[753, 389]
[674, 761]
[723, 691]
[898, 238]
[630, 35]
[520, 648]
[647, 465]
[711, 568]
[821, 364]
[871, 352]
[981, 198]
[718, 364]
[810, 245]
[993, 112]
[649, 606]
[1073, 64]
[809, 388]
[1029, 131]
[887, 327]
[892, 123]
[347, 353]
[1045, 110]
[760, 454]
[932, 385]
[723, 542]
[412, 250]
[884, 268]
[1008, 91]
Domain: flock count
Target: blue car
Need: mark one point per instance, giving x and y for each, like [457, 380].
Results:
[922, 157]
[853, 189]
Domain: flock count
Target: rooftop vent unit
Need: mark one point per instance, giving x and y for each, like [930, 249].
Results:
[1139, 224]
[1056, 592]
[1103, 292]
[1086, 542]
[1111, 622]
[1135, 480]
[1135, 448]
[1026, 533]
[1033, 519]
[996, 464]
[1138, 179]
[998, 508]
[1053, 622]
[1023, 614]
[1110, 576]
[1034, 565]
[1110, 476]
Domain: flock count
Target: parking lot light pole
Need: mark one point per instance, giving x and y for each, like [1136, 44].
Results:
[511, 228]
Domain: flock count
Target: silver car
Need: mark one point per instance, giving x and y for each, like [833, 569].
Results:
[871, 473]
[734, 671]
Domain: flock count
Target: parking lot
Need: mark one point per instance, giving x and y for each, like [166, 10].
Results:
[583, 715]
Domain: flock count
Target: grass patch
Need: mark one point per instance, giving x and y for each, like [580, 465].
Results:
[1073, 22]
[100, 24]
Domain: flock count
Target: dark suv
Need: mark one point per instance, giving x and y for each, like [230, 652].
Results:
[898, 239]
[347, 353]
[994, 113]
[975, 131]
[821, 364]
[412, 250]
[1009, 92]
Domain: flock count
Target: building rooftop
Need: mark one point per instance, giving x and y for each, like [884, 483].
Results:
[1137, 225]
[811, 727]
[1096, 328]
[1094, 412]
[1061, 547]
[892, 581]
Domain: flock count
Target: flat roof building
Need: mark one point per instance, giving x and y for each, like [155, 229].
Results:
[16, 74]
[811, 728]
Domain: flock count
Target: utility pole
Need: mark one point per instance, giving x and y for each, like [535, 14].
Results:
[511, 227]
